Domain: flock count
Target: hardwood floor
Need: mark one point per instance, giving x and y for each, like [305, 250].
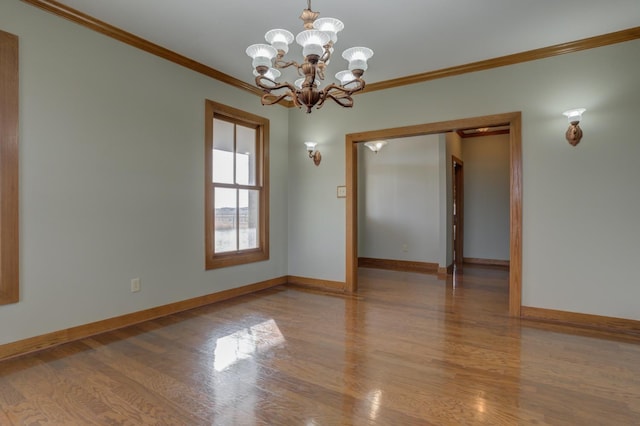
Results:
[407, 350]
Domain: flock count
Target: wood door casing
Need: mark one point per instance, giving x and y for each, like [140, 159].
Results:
[513, 120]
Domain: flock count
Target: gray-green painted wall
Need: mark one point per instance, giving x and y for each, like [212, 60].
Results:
[486, 197]
[399, 204]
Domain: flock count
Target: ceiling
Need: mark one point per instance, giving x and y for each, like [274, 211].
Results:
[408, 36]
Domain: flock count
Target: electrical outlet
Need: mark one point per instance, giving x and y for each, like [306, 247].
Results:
[405, 248]
[135, 285]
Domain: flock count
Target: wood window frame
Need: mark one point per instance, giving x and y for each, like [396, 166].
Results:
[261, 124]
[9, 207]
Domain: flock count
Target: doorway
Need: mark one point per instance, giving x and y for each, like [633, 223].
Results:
[512, 120]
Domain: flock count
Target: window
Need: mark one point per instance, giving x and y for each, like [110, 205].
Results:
[237, 186]
[9, 266]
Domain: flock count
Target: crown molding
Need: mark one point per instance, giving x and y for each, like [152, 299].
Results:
[140, 43]
[516, 58]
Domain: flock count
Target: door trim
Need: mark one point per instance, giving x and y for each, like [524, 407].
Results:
[513, 120]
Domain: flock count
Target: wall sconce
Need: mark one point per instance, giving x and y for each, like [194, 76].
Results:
[313, 153]
[574, 132]
[375, 146]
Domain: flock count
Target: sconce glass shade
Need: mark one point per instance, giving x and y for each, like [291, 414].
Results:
[574, 132]
[375, 146]
[574, 115]
[313, 153]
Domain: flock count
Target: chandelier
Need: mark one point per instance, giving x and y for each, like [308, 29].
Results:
[317, 41]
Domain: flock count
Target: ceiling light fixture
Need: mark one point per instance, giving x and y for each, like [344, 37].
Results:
[375, 146]
[317, 41]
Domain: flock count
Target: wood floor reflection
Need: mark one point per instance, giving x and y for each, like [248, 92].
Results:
[407, 350]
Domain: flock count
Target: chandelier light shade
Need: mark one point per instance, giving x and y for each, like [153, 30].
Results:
[357, 57]
[331, 26]
[346, 78]
[279, 39]
[317, 41]
[262, 55]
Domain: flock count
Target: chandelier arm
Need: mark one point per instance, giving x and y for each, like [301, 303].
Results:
[327, 52]
[360, 87]
[271, 99]
[320, 70]
[344, 91]
[294, 98]
[280, 64]
[323, 96]
[339, 95]
[273, 86]
[345, 101]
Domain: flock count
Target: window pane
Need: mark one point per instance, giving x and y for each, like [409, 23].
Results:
[242, 169]
[246, 155]
[222, 151]
[226, 227]
[222, 165]
[249, 219]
